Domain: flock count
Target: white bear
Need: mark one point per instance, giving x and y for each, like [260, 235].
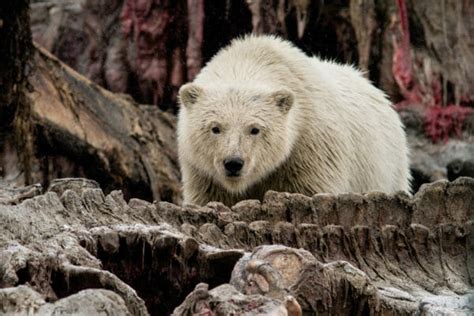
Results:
[262, 115]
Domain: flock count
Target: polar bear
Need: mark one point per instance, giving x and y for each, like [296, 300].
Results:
[262, 115]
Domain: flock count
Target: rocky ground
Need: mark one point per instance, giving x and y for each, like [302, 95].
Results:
[72, 249]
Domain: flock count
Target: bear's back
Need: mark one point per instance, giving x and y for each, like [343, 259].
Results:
[266, 60]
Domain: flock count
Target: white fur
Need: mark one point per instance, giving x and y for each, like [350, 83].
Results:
[340, 133]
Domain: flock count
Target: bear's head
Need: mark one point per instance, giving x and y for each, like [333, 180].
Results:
[234, 135]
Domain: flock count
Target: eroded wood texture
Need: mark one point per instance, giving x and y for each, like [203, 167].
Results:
[357, 253]
[81, 129]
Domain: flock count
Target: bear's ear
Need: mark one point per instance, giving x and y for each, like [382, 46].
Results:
[189, 94]
[283, 99]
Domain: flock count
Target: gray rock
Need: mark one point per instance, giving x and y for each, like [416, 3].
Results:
[330, 254]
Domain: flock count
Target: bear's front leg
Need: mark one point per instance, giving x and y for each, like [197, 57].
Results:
[195, 187]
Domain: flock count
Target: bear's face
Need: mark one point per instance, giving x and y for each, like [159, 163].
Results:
[236, 136]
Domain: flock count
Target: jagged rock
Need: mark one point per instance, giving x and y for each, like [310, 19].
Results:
[226, 300]
[388, 254]
[434, 161]
[460, 168]
[22, 300]
[10, 195]
[340, 288]
[19, 300]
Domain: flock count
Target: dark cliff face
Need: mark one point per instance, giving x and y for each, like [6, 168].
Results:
[367, 252]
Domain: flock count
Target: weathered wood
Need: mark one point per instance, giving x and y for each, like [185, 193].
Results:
[15, 53]
[373, 252]
[80, 129]
[22, 300]
[16, 50]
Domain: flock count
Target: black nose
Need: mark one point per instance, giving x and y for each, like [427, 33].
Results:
[233, 166]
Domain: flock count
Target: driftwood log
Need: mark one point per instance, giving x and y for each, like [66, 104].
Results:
[333, 255]
[78, 129]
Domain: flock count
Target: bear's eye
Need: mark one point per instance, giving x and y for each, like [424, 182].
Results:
[254, 131]
[216, 130]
